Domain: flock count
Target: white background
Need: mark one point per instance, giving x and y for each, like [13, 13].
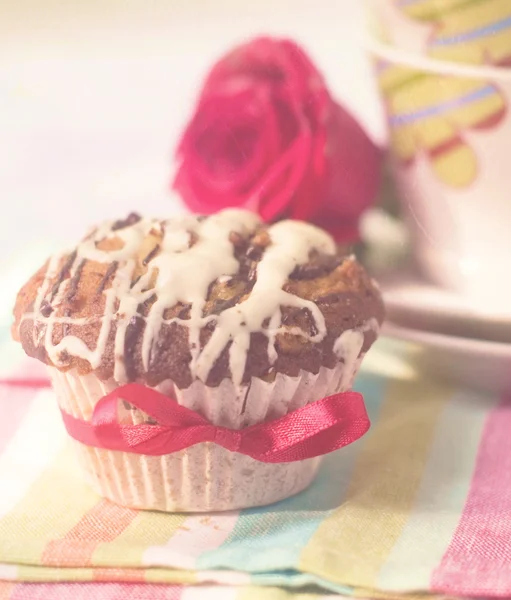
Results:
[93, 94]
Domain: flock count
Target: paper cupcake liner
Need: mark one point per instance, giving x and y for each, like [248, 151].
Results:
[204, 477]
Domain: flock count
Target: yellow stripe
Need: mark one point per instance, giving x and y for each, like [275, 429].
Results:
[378, 595]
[147, 529]
[170, 576]
[352, 544]
[54, 504]
[53, 575]
[256, 593]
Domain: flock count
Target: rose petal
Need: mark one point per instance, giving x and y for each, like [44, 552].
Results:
[201, 199]
[288, 172]
[278, 61]
[238, 128]
[353, 166]
[222, 139]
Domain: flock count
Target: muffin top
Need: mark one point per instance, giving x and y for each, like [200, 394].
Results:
[196, 297]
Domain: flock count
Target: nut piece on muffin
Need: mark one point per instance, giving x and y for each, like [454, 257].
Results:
[238, 320]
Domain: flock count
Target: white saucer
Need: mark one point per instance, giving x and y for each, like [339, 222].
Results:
[478, 364]
[416, 304]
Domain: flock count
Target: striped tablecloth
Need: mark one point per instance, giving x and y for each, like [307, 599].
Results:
[422, 504]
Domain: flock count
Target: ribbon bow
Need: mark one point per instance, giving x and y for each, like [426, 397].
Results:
[318, 428]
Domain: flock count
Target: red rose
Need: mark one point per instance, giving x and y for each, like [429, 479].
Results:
[266, 135]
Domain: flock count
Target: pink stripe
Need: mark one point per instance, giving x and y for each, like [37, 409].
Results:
[95, 591]
[478, 559]
[14, 402]
[25, 383]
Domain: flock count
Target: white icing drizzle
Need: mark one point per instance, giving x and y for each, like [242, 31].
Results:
[182, 271]
[348, 345]
[292, 242]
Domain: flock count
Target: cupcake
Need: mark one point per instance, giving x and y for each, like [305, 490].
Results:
[239, 321]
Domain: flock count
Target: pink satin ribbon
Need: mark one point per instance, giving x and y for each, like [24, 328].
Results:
[318, 428]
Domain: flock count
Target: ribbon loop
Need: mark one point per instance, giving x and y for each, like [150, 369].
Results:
[318, 428]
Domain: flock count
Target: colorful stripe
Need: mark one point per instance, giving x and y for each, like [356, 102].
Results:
[478, 559]
[78, 545]
[196, 536]
[103, 591]
[34, 574]
[130, 546]
[444, 487]
[352, 545]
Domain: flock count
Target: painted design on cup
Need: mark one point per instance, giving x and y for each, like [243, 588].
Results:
[430, 115]
[476, 32]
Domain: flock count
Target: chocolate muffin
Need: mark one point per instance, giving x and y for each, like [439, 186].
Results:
[237, 320]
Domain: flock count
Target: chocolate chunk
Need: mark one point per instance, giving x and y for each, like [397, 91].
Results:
[131, 219]
[133, 335]
[64, 271]
[147, 303]
[135, 281]
[220, 305]
[184, 313]
[109, 272]
[151, 255]
[75, 280]
[254, 252]
[318, 267]
[313, 330]
[64, 356]
[46, 308]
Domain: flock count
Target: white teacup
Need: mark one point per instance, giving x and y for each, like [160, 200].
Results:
[450, 138]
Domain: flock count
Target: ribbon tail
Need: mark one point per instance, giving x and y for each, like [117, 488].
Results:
[331, 423]
[335, 437]
[88, 434]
